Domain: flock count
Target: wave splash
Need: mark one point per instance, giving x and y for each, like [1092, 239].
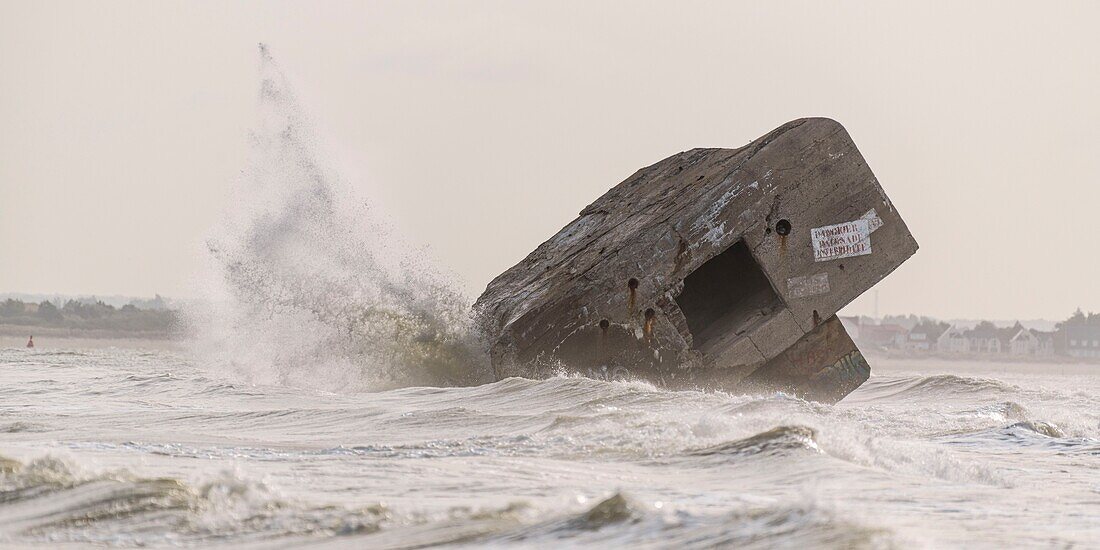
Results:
[307, 286]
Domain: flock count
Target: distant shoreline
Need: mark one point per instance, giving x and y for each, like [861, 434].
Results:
[70, 332]
[972, 366]
[976, 358]
[63, 338]
[58, 338]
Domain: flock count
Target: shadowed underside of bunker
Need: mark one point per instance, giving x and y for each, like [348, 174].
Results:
[714, 268]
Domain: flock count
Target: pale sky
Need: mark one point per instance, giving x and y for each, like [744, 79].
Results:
[484, 127]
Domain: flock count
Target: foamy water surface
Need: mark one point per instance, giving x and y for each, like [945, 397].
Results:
[127, 447]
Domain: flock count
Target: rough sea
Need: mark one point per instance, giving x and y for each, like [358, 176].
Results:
[333, 393]
[147, 448]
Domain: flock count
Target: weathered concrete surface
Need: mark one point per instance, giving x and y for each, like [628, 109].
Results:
[716, 268]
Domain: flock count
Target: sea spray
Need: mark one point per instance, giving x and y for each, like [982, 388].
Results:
[309, 286]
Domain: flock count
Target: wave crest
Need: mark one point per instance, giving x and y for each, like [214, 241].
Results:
[776, 440]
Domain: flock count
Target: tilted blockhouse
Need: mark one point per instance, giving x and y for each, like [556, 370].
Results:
[714, 268]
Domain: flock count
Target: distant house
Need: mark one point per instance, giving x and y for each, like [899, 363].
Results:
[1046, 342]
[1024, 342]
[1031, 342]
[1081, 340]
[953, 340]
[883, 336]
[30, 308]
[925, 336]
[987, 338]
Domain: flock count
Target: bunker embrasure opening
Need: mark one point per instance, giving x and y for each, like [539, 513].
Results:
[725, 297]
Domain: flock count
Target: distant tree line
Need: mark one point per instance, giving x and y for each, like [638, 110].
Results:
[92, 315]
[1080, 319]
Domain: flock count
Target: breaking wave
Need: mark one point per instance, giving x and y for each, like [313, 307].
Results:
[621, 521]
[1039, 427]
[778, 440]
[307, 284]
[936, 386]
[48, 499]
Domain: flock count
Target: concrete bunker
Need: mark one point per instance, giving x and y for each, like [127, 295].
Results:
[713, 268]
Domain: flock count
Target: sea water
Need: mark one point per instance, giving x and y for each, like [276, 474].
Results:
[148, 448]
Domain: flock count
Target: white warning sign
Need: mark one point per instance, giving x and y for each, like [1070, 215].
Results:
[842, 240]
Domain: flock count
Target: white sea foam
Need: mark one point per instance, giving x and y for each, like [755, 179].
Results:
[308, 285]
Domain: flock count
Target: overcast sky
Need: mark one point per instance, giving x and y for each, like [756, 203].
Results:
[485, 127]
